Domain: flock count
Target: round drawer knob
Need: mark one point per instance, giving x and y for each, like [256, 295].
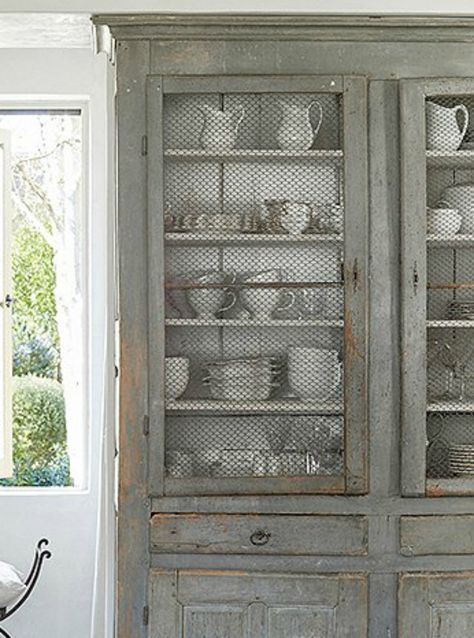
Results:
[260, 537]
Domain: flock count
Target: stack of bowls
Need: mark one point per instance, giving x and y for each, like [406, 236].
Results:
[243, 379]
[461, 459]
[461, 310]
[314, 373]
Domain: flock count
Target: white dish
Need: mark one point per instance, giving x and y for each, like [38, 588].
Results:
[313, 373]
[176, 376]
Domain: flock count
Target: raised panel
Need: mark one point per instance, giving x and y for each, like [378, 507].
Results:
[214, 622]
[436, 605]
[424, 535]
[304, 622]
[259, 534]
[452, 621]
[225, 604]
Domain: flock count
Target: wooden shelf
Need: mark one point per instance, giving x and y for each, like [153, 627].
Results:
[239, 239]
[252, 155]
[456, 241]
[451, 406]
[454, 159]
[272, 406]
[450, 323]
[271, 323]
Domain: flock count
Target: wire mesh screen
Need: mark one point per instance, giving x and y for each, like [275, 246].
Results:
[450, 311]
[254, 291]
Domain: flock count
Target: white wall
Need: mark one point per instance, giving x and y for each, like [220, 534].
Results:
[229, 6]
[61, 605]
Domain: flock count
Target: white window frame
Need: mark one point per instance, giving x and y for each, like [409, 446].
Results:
[6, 429]
[81, 103]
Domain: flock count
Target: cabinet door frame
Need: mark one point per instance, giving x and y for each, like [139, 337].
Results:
[355, 136]
[414, 280]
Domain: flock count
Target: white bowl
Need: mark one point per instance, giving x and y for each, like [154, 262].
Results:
[176, 376]
[246, 389]
[207, 301]
[444, 221]
[313, 373]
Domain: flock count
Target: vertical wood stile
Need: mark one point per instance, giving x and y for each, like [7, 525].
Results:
[355, 283]
[133, 554]
[413, 282]
[156, 281]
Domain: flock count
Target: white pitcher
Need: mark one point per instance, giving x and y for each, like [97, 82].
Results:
[443, 132]
[296, 132]
[221, 128]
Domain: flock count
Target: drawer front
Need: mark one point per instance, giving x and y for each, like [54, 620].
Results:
[259, 534]
[427, 535]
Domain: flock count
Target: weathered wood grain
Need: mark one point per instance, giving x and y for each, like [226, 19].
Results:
[431, 535]
[233, 534]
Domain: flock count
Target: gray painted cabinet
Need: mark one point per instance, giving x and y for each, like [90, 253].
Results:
[304, 467]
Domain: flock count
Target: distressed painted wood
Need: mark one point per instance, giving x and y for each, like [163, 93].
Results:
[424, 535]
[156, 281]
[273, 592]
[221, 603]
[413, 281]
[436, 606]
[133, 556]
[355, 283]
[233, 534]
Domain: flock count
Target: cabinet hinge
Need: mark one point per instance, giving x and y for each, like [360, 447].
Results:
[144, 145]
[416, 277]
[146, 425]
[146, 615]
[355, 276]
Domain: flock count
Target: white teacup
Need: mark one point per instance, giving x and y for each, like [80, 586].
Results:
[263, 302]
[207, 301]
[313, 373]
[176, 376]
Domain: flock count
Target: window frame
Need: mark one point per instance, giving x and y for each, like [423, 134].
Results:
[80, 103]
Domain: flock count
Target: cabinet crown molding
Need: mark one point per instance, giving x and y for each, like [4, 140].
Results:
[403, 28]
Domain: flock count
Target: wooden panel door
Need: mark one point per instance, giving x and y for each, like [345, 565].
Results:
[436, 605]
[438, 286]
[199, 604]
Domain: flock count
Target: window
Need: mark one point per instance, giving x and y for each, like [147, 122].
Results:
[48, 338]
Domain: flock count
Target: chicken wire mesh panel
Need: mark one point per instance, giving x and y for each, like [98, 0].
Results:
[450, 445]
[254, 216]
[254, 368]
[266, 121]
[254, 446]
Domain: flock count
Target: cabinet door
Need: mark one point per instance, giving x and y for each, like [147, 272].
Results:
[436, 606]
[258, 265]
[239, 605]
[438, 285]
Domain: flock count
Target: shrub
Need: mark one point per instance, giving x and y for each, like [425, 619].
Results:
[39, 433]
[35, 356]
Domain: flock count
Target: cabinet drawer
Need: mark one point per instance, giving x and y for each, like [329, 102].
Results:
[259, 534]
[425, 535]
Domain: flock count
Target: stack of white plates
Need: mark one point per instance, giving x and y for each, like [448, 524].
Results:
[251, 379]
[461, 310]
[461, 459]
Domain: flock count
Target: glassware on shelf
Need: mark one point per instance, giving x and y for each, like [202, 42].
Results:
[454, 355]
[312, 302]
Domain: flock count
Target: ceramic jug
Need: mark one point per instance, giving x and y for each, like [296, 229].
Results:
[443, 132]
[296, 131]
[220, 128]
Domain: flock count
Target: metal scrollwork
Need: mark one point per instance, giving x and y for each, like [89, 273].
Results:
[41, 554]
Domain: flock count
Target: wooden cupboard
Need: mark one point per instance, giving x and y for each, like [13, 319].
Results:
[304, 467]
